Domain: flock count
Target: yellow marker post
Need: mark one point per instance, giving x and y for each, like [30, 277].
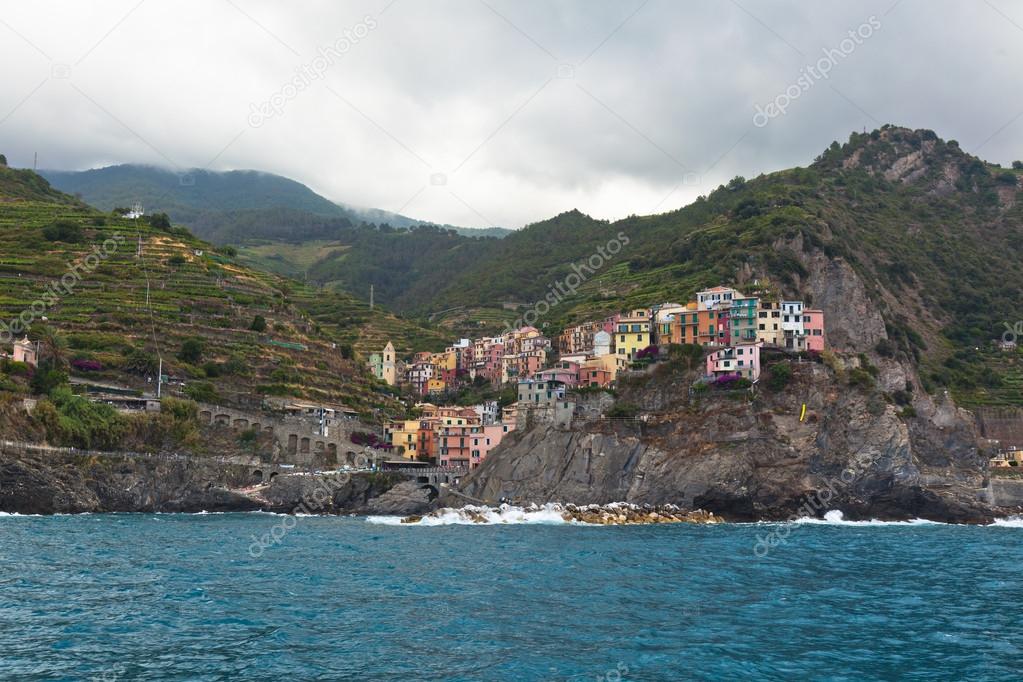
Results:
[803, 412]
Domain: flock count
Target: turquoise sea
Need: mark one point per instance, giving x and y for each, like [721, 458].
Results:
[265, 597]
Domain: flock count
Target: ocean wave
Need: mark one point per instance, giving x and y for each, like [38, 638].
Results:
[836, 518]
[548, 514]
[1009, 522]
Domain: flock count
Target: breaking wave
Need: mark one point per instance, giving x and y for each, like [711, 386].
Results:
[548, 514]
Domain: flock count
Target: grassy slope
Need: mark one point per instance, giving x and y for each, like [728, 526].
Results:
[207, 296]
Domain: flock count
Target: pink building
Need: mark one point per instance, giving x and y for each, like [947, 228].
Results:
[484, 442]
[564, 371]
[742, 359]
[813, 326]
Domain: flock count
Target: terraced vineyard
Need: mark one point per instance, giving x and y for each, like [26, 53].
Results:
[120, 289]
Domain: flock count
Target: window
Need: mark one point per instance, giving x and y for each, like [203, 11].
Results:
[762, 314]
[762, 327]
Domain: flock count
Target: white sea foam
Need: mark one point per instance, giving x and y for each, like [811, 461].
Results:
[835, 517]
[1010, 522]
[548, 514]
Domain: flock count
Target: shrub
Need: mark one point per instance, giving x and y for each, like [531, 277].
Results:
[860, 377]
[177, 259]
[202, 392]
[781, 375]
[64, 231]
[212, 369]
[885, 348]
[141, 363]
[258, 324]
[622, 411]
[47, 379]
[1018, 165]
[87, 365]
[82, 423]
[236, 365]
[191, 351]
[160, 221]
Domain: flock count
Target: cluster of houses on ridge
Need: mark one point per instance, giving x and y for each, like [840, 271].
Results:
[735, 325]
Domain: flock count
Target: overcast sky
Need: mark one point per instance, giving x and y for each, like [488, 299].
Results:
[500, 112]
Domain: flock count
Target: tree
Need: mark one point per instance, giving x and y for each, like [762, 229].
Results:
[202, 392]
[3, 160]
[781, 374]
[54, 348]
[1018, 165]
[63, 231]
[141, 362]
[258, 324]
[191, 351]
[160, 221]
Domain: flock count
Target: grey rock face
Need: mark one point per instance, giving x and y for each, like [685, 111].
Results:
[749, 461]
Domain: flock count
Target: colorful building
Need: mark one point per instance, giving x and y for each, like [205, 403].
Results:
[742, 359]
[404, 436]
[633, 333]
[25, 351]
[792, 326]
[715, 297]
[769, 323]
[813, 326]
[742, 319]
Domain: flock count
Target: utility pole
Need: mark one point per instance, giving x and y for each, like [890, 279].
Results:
[159, 379]
[371, 297]
[35, 160]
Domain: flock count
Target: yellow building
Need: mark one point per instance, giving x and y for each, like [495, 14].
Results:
[403, 435]
[769, 323]
[632, 333]
[435, 386]
[611, 363]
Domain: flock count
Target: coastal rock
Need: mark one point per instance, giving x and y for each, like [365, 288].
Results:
[401, 500]
[749, 461]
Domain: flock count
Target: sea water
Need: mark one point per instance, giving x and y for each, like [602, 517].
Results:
[526, 597]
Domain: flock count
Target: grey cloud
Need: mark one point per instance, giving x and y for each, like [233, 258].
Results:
[525, 108]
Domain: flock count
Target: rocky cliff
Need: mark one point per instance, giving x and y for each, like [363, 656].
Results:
[61, 483]
[750, 457]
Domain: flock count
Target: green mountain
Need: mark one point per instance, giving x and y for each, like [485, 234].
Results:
[282, 225]
[212, 203]
[120, 294]
[931, 235]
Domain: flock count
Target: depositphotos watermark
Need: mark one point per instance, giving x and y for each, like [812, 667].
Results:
[566, 288]
[811, 74]
[814, 503]
[65, 286]
[311, 503]
[310, 72]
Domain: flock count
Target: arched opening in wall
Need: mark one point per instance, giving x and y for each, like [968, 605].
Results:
[223, 419]
[320, 447]
[303, 446]
[423, 479]
[241, 423]
[256, 427]
[431, 492]
[206, 416]
[269, 429]
[292, 443]
[273, 475]
[257, 477]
